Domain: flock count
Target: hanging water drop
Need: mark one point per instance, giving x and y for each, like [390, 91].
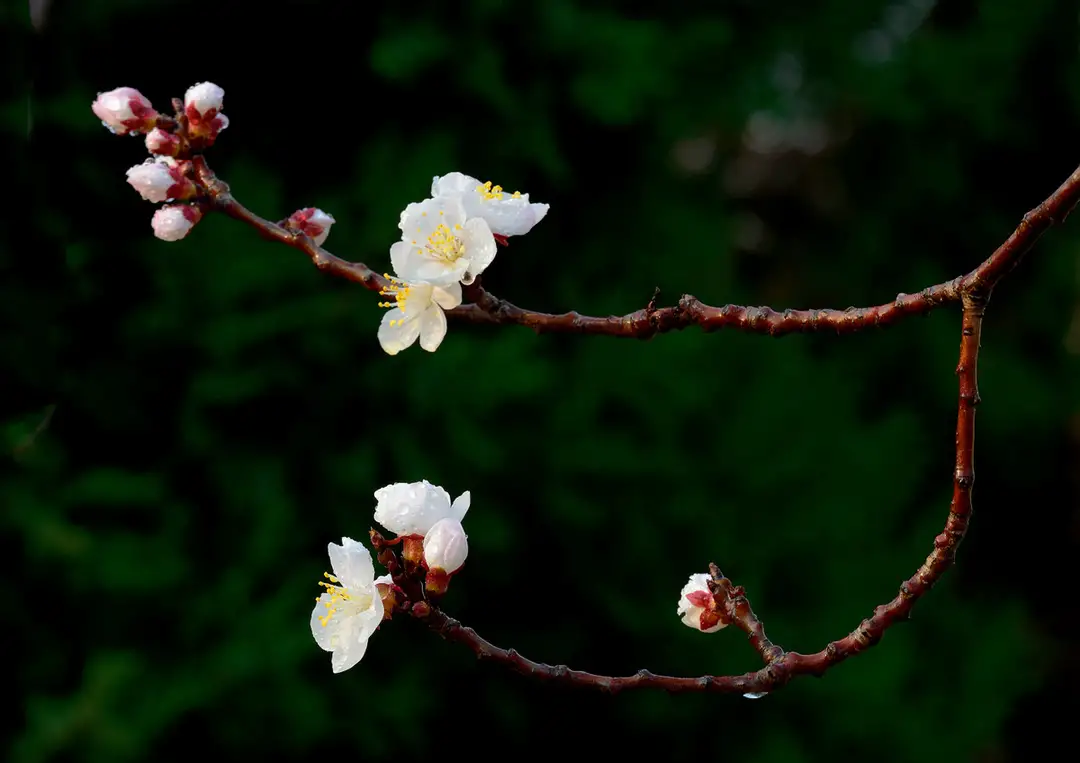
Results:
[755, 694]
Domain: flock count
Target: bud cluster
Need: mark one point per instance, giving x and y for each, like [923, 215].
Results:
[167, 176]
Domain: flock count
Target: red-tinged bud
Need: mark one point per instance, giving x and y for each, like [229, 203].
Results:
[698, 607]
[124, 110]
[313, 222]
[163, 143]
[202, 107]
[162, 179]
[172, 222]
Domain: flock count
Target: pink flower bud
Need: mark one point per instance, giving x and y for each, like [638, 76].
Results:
[159, 141]
[172, 222]
[314, 222]
[161, 179]
[202, 107]
[446, 546]
[204, 98]
[697, 605]
[124, 110]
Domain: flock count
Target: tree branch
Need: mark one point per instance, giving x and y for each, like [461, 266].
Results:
[780, 666]
[486, 308]
[971, 290]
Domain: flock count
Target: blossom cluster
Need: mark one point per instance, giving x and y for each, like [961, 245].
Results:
[428, 526]
[446, 240]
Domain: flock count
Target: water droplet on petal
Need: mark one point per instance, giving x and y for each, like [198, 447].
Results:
[755, 694]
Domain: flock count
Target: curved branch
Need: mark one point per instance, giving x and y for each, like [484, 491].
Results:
[486, 308]
[972, 290]
[780, 666]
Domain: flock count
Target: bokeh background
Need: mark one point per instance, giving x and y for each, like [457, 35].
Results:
[186, 425]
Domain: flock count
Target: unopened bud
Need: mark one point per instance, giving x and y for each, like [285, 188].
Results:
[697, 605]
[313, 222]
[161, 179]
[124, 110]
[163, 143]
[204, 98]
[202, 107]
[172, 222]
[446, 546]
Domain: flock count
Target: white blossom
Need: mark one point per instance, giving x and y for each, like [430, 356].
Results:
[439, 245]
[413, 508]
[350, 609]
[507, 214]
[446, 545]
[697, 606]
[416, 312]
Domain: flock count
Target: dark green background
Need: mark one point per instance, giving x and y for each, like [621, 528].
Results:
[221, 410]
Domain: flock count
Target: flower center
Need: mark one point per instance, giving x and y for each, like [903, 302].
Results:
[443, 245]
[399, 290]
[488, 191]
[341, 600]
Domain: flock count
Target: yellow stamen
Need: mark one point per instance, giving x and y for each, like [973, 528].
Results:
[397, 289]
[490, 192]
[341, 600]
[443, 245]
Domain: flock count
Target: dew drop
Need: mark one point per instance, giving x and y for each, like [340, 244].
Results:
[755, 694]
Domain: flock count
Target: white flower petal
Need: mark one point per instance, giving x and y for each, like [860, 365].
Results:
[461, 505]
[514, 217]
[411, 508]
[453, 183]
[400, 258]
[439, 273]
[350, 651]
[447, 297]
[419, 220]
[393, 339]
[480, 247]
[324, 634]
[417, 299]
[432, 328]
[351, 563]
[384, 580]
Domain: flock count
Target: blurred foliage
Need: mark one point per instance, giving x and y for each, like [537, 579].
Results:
[187, 425]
